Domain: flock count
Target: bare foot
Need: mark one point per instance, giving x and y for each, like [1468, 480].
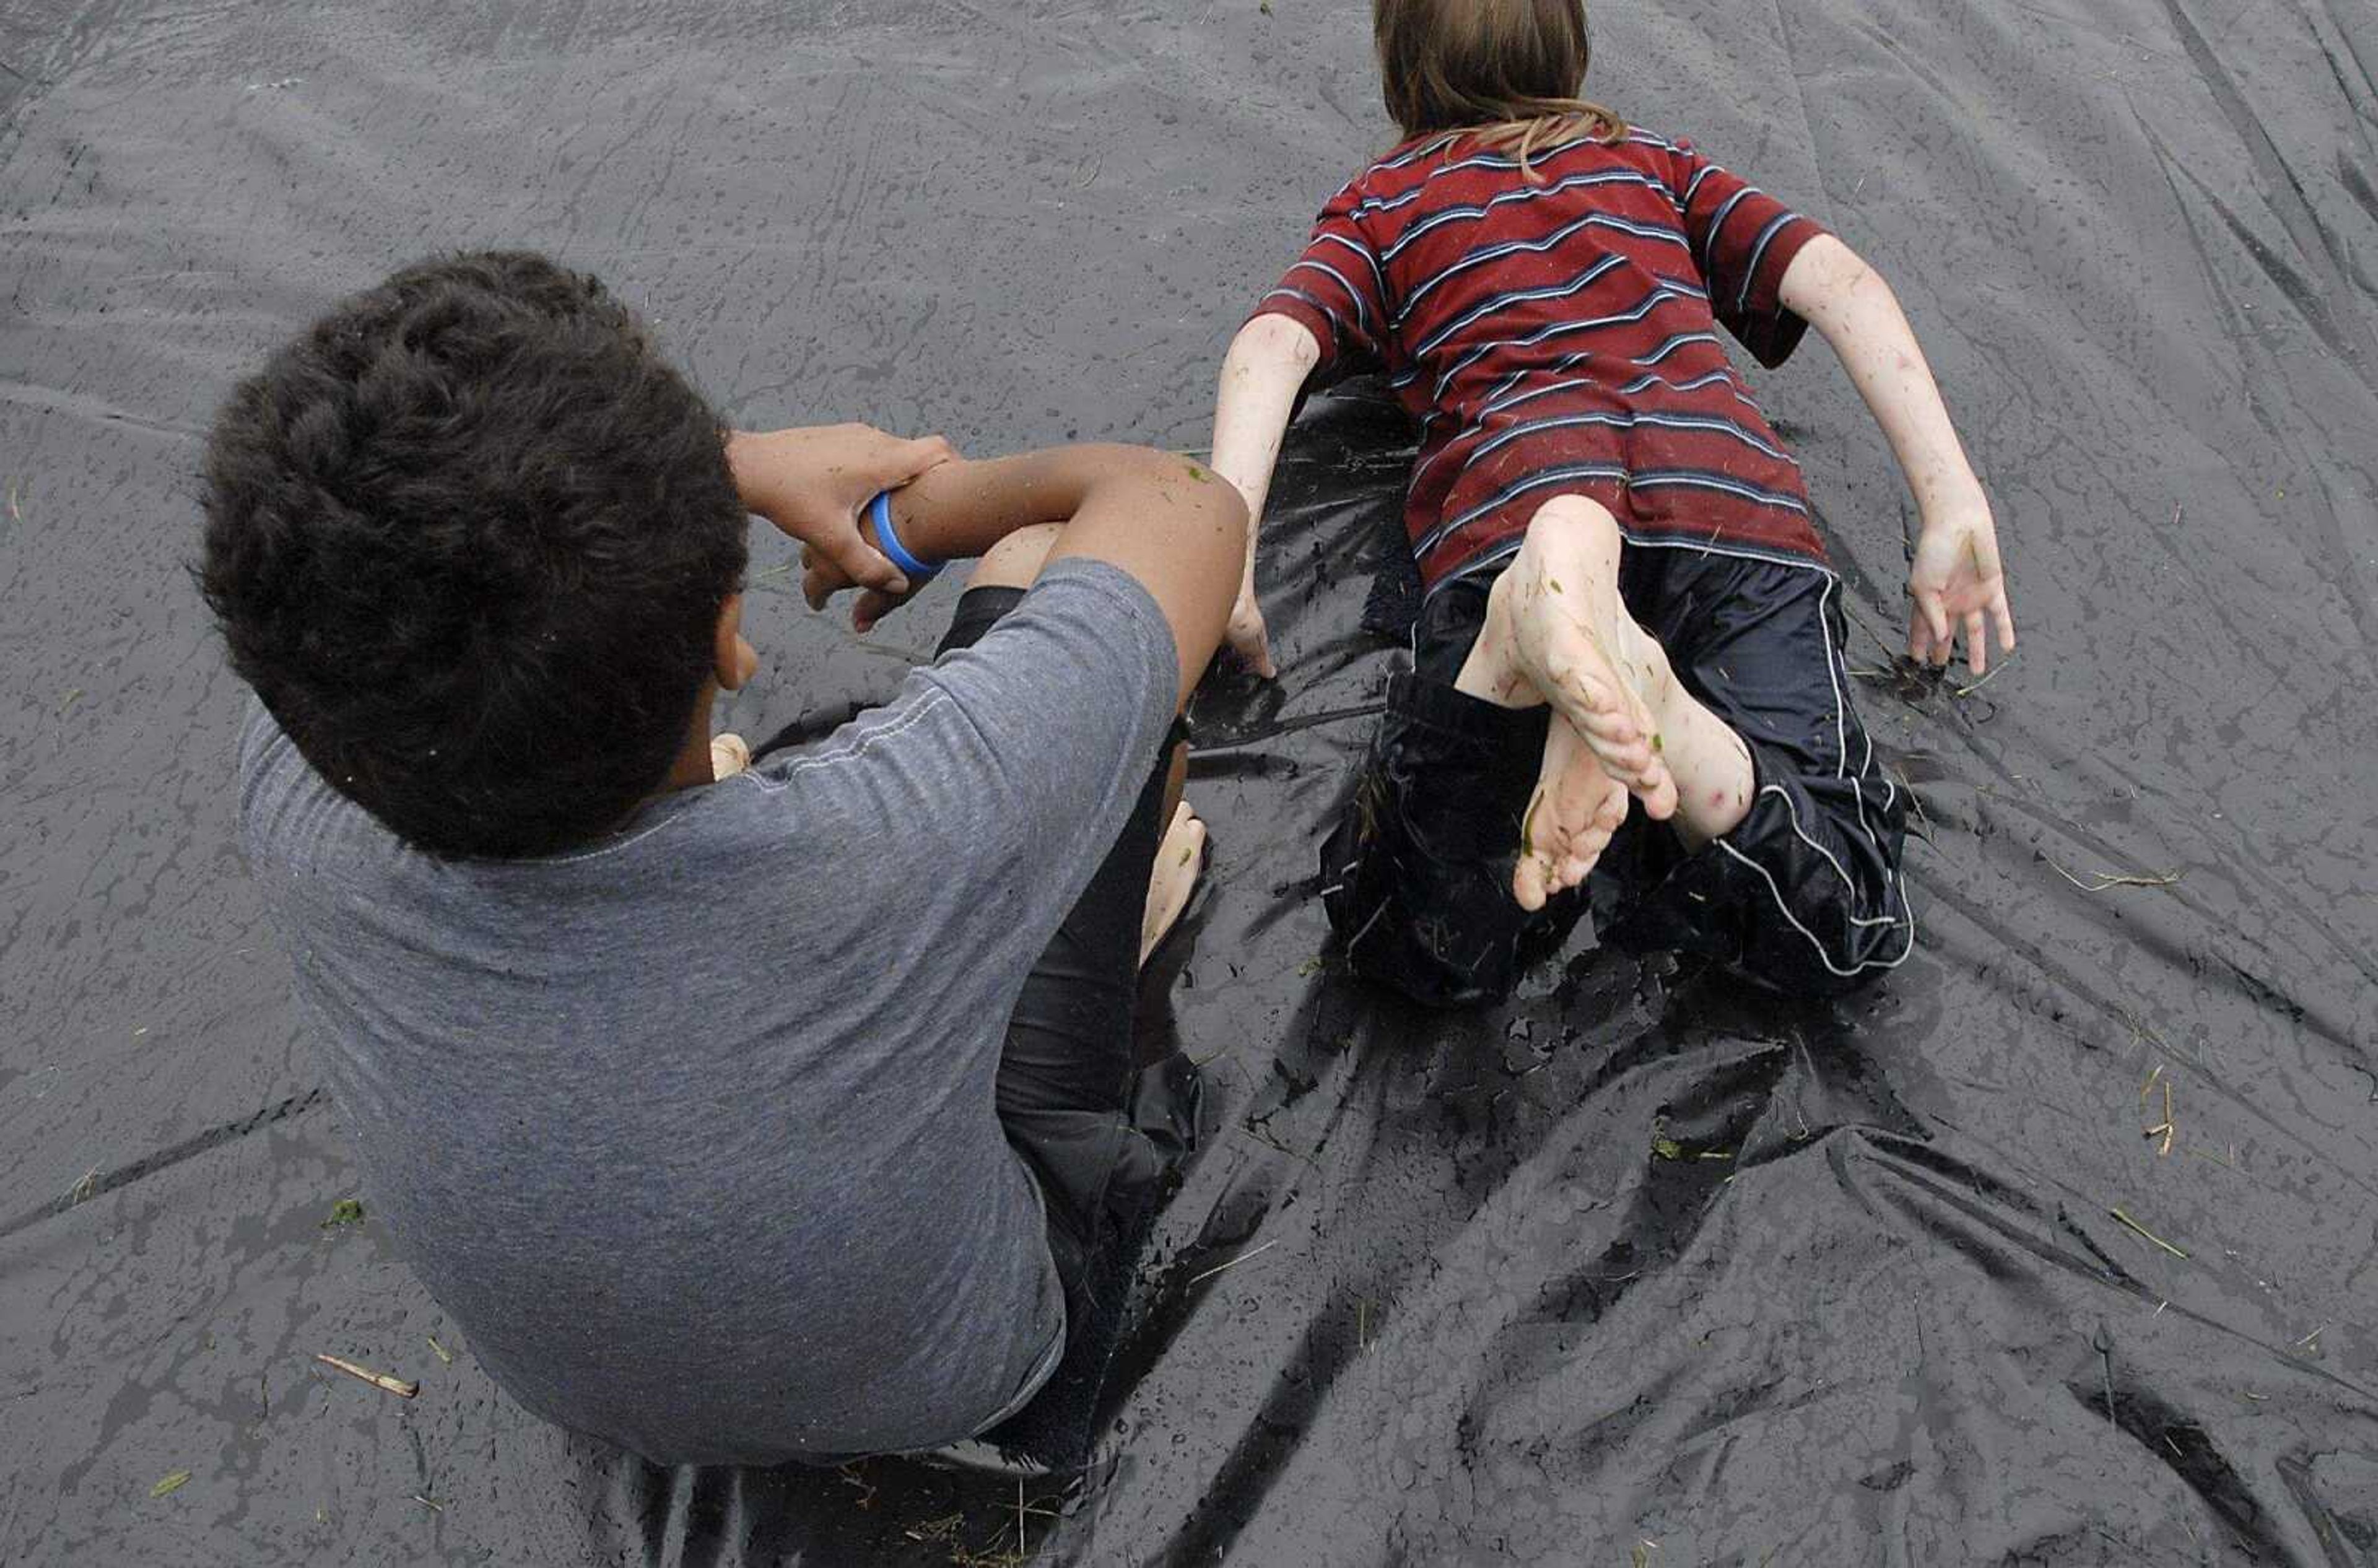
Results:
[1576, 808]
[1179, 859]
[1557, 631]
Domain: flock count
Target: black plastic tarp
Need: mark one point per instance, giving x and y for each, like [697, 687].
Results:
[1644, 1267]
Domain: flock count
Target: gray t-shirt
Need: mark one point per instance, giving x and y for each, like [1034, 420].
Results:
[693, 1130]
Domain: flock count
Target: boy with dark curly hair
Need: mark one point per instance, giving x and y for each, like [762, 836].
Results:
[738, 1114]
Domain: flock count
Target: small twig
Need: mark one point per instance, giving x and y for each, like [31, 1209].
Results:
[380, 1380]
[2139, 1031]
[1234, 1263]
[2305, 1343]
[2142, 1230]
[2114, 880]
[1969, 690]
[2168, 1128]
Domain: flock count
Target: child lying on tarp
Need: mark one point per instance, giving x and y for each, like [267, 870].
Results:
[1623, 593]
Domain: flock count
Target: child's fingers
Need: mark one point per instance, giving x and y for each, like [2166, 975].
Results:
[925, 452]
[1977, 642]
[861, 562]
[1938, 639]
[1251, 640]
[819, 585]
[2004, 617]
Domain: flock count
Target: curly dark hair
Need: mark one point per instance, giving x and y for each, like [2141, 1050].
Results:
[468, 537]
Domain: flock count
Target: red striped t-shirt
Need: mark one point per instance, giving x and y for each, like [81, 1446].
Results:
[1559, 336]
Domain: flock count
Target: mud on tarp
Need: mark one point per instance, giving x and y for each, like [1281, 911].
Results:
[1642, 1267]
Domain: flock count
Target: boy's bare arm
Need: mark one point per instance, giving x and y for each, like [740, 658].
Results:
[812, 482]
[1957, 580]
[1266, 368]
[1164, 519]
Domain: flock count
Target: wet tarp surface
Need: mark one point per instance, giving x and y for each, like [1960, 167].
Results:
[1642, 1267]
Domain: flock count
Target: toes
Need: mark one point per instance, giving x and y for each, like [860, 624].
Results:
[1530, 881]
[1576, 808]
[1184, 841]
[1586, 690]
[1658, 794]
[1179, 861]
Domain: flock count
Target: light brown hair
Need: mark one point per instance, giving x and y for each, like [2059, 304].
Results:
[1507, 71]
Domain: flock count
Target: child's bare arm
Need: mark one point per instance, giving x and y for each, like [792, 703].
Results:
[810, 483]
[1956, 580]
[1161, 518]
[1266, 366]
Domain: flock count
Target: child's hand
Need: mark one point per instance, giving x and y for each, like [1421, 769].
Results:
[1957, 580]
[1247, 636]
[823, 577]
[813, 483]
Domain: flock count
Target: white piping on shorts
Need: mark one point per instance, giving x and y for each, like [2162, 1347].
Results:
[1897, 881]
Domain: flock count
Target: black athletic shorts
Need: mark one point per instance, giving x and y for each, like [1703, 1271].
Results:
[1805, 894]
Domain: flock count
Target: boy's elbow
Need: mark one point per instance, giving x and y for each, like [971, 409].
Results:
[1825, 276]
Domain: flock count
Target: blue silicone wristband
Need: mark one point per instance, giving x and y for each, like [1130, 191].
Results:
[887, 539]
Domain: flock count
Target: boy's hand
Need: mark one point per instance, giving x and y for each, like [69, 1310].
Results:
[823, 577]
[811, 483]
[1957, 582]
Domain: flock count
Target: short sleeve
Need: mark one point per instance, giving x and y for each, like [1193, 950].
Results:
[1744, 240]
[1336, 290]
[1004, 772]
